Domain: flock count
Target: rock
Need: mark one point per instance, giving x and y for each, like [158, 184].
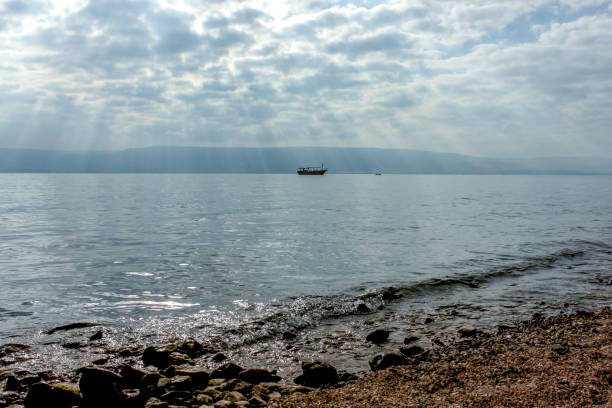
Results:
[191, 348]
[150, 380]
[78, 325]
[153, 356]
[11, 348]
[274, 396]
[317, 374]
[363, 308]
[177, 358]
[289, 335]
[382, 361]
[410, 339]
[223, 404]
[155, 403]
[96, 336]
[213, 392]
[219, 357]
[296, 389]
[214, 382]
[176, 396]
[428, 320]
[12, 384]
[163, 383]
[100, 387]
[100, 361]
[57, 396]
[344, 376]
[257, 401]
[199, 377]
[73, 345]
[258, 375]
[239, 385]
[468, 332]
[411, 351]
[228, 370]
[203, 399]
[233, 396]
[261, 389]
[378, 336]
[132, 377]
[181, 382]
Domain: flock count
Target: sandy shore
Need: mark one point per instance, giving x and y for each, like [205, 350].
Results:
[559, 361]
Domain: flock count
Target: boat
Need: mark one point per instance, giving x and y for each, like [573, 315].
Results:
[311, 171]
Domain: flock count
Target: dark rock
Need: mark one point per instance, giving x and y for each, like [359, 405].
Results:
[132, 377]
[219, 357]
[257, 401]
[203, 399]
[157, 357]
[363, 308]
[181, 382]
[150, 380]
[71, 326]
[100, 387]
[289, 335]
[378, 336]
[100, 361]
[227, 370]
[317, 374]
[42, 395]
[233, 396]
[12, 384]
[73, 345]
[176, 396]
[382, 361]
[258, 375]
[411, 351]
[428, 320]
[129, 351]
[199, 377]
[344, 376]
[191, 348]
[240, 386]
[410, 339]
[468, 332]
[96, 336]
[223, 404]
[293, 389]
[177, 358]
[11, 348]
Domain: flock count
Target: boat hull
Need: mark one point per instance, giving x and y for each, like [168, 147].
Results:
[311, 172]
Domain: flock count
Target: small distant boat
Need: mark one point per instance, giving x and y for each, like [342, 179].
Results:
[311, 171]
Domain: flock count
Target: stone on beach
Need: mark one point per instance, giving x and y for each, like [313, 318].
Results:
[228, 371]
[59, 395]
[382, 361]
[378, 336]
[100, 387]
[72, 326]
[258, 375]
[317, 374]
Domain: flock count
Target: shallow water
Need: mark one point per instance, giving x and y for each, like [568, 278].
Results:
[236, 260]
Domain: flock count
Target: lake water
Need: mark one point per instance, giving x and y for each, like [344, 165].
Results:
[236, 260]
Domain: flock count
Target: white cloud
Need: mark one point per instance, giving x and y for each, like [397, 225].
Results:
[492, 78]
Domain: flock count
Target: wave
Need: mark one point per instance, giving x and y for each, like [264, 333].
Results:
[307, 311]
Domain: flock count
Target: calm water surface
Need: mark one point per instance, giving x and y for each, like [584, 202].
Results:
[236, 260]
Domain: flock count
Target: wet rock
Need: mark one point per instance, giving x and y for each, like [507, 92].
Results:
[378, 336]
[468, 332]
[72, 326]
[129, 351]
[163, 383]
[344, 376]
[219, 357]
[410, 339]
[177, 358]
[382, 361]
[363, 308]
[317, 374]
[411, 351]
[428, 320]
[289, 335]
[11, 348]
[199, 377]
[12, 384]
[223, 404]
[150, 380]
[213, 392]
[100, 387]
[239, 385]
[156, 403]
[73, 345]
[96, 336]
[228, 370]
[132, 377]
[42, 395]
[153, 356]
[181, 382]
[258, 375]
[191, 348]
[215, 382]
[100, 361]
[176, 396]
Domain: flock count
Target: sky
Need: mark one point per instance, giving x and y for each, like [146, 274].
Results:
[480, 77]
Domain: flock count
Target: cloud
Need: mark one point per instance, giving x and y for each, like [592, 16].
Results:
[485, 78]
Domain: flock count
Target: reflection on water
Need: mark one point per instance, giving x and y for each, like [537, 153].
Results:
[236, 260]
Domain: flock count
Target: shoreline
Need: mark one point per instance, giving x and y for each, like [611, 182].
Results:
[563, 359]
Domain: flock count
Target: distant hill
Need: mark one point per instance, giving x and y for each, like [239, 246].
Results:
[285, 160]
